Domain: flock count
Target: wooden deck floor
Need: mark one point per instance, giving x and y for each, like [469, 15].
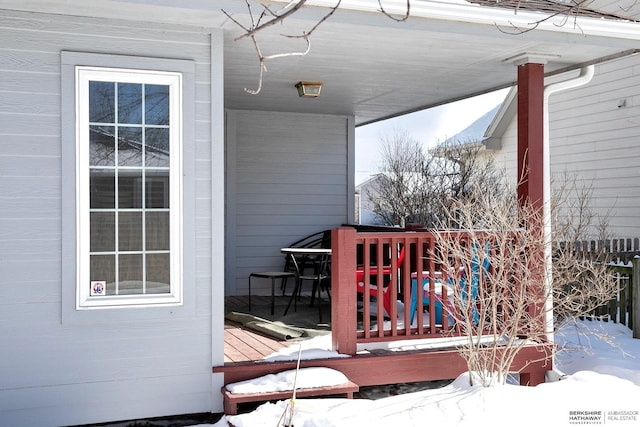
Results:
[244, 345]
[244, 349]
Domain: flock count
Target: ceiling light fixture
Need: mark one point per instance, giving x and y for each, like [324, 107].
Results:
[309, 89]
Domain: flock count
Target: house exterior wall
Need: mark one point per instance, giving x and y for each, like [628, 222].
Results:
[63, 367]
[365, 205]
[595, 136]
[288, 175]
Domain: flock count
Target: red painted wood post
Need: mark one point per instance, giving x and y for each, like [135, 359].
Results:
[531, 159]
[343, 290]
[531, 133]
[533, 377]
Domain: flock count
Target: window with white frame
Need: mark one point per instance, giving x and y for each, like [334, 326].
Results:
[128, 181]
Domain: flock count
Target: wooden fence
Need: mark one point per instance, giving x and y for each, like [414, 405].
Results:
[624, 256]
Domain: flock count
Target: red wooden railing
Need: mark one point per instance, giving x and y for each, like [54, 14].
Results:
[373, 257]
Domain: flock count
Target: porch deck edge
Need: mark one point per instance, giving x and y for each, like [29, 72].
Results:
[392, 367]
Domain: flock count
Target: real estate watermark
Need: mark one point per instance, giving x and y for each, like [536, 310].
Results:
[597, 417]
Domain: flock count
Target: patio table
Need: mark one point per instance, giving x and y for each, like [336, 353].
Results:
[300, 258]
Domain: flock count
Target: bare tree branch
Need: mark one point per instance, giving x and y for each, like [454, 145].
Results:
[494, 277]
[418, 186]
[324, 18]
[259, 24]
[277, 17]
[403, 18]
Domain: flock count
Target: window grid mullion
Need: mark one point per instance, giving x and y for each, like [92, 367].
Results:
[121, 173]
[144, 191]
[117, 188]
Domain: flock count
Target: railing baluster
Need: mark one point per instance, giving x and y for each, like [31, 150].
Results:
[421, 254]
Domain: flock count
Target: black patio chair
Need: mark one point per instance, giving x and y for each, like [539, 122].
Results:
[321, 239]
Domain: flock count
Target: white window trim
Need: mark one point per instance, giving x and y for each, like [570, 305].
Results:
[83, 74]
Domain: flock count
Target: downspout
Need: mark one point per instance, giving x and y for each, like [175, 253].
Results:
[586, 74]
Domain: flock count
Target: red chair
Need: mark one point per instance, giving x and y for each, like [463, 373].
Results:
[373, 289]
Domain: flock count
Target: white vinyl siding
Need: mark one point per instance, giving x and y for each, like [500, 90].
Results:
[60, 365]
[595, 136]
[288, 174]
[598, 141]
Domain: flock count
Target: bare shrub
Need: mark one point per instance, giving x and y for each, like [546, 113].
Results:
[496, 275]
[582, 280]
[495, 272]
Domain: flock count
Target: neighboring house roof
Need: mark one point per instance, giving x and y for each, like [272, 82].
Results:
[489, 128]
[368, 183]
[475, 132]
[492, 138]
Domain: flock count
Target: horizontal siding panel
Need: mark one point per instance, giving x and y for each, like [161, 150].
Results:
[628, 145]
[300, 210]
[30, 319]
[29, 103]
[44, 290]
[297, 231]
[93, 402]
[288, 145]
[599, 90]
[292, 160]
[29, 187]
[624, 138]
[585, 127]
[18, 229]
[260, 261]
[24, 271]
[599, 109]
[294, 168]
[289, 219]
[30, 124]
[276, 241]
[153, 362]
[29, 145]
[271, 251]
[146, 356]
[29, 208]
[601, 167]
[202, 110]
[15, 249]
[29, 24]
[14, 166]
[29, 61]
[129, 41]
[30, 82]
[289, 199]
[202, 93]
[619, 157]
[250, 176]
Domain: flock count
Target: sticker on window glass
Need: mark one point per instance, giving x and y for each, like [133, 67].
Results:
[98, 288]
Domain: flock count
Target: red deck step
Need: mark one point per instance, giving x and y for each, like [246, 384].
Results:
[231, 400]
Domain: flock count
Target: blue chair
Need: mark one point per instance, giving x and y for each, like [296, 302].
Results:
[466, 293]
[425, 295]
[475, 278]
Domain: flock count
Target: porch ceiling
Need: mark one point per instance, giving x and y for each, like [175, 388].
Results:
[373, 67]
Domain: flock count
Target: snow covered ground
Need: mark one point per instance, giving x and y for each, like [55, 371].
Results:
[601, 386]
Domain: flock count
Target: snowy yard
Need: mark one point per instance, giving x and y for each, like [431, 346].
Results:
[601, 386]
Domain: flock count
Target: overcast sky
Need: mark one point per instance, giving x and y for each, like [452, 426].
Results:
[429, 126]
